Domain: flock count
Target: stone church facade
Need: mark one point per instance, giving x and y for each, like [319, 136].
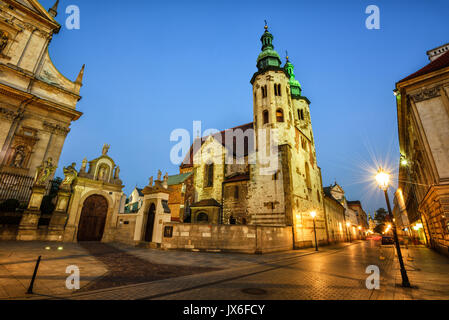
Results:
[37, 102]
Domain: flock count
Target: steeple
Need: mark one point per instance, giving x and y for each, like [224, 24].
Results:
[53, 11]
[295, 87]
[268, 57]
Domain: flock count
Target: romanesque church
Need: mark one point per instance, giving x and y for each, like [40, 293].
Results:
[245, 191]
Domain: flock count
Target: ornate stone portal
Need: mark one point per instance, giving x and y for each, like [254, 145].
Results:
[96, 195]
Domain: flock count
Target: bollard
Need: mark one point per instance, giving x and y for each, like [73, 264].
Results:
[30, 289]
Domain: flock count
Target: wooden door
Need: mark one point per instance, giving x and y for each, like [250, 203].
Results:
[93, 219]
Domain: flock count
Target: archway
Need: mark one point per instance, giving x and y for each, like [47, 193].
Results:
[150, 223]
[202, 217]
[93, 218]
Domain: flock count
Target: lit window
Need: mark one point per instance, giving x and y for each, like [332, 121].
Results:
[279, 115]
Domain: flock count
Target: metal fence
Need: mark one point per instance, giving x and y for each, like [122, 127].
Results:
[19, 187]
[15, 186]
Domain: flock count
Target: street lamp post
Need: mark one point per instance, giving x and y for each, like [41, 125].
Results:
[313, 215]
[383, 180]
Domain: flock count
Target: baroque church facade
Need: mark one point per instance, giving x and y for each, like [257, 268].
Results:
[247, 190]
[37, 102]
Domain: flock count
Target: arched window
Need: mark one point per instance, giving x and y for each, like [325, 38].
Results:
[308, 181]
[265, 117]
[279, 115]
[300, 114]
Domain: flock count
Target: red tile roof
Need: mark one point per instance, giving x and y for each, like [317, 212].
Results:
[188, 160]
[437, 64]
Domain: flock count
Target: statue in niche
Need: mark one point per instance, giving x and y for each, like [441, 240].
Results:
[70, 174]
[3, 40]
[151, 182]
[159, 175]
[102, 173]
[18, 158]
[43, 172]
[105, 149]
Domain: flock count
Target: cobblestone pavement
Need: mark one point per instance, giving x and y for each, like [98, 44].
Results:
[126, 269]
[331, 275]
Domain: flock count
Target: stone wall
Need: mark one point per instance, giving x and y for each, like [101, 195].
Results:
[228, 238]
[126, 225]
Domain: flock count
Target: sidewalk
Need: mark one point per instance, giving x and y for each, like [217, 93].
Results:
[428, 273]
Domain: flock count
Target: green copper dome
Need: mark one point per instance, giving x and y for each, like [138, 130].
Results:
[295, 86]
[268, 57]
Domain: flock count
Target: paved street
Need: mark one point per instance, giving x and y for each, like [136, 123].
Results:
[336, 272]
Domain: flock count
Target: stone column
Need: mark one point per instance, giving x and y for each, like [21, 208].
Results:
[30, 219]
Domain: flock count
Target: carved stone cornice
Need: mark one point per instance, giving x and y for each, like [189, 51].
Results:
[426, 94]
[55, 128]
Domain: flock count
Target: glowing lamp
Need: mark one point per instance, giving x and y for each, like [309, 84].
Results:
[383, 179]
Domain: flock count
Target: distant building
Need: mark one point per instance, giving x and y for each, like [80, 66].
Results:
[350, 220]
[423, 122]
[134, 201]
[335, 217]
[362, 217]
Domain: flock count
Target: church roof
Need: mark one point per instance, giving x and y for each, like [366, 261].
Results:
[179, 178]
[221, 136]
[437, 64]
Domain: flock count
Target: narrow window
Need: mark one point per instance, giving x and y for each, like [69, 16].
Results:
[236, 192]
[265, 117]
[209, 175]
[264, 91]
[275, 89]
[279, 115]
[279, 90]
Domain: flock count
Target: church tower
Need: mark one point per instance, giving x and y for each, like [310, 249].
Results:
[288, 195]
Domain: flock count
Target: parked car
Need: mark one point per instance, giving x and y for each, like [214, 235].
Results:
[387, 239]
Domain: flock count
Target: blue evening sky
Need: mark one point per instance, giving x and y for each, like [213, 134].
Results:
[154, 66]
